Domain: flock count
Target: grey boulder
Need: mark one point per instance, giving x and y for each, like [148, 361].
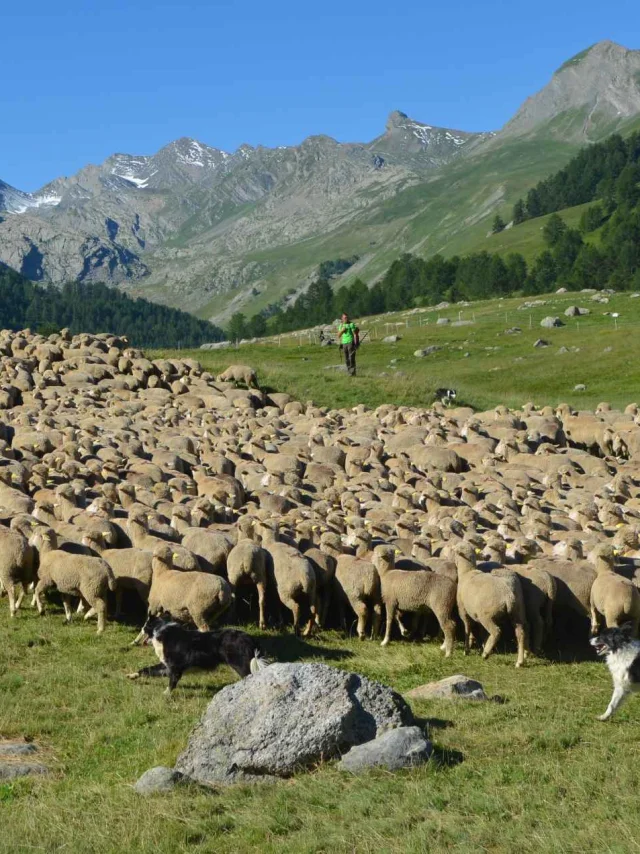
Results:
[285, 718]
[450, 688]
[17, 748]
[426, 351]
[405, 747]
[551, 322]
[13, 770]
[390, 339]
[158, 779]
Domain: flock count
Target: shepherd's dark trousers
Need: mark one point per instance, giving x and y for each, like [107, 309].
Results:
[350, 358]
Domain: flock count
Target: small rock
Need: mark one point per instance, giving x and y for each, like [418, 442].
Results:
[13, 770]
[563, 350]
[514, 330]
[580, 387]
[453, 687]
[608, 350]
[338, 368]
[390, 339]
[541, 343]
[427, 351]
[561, 291]
[16, 748]
[466, 355]
[551, 322]
[443, 321]
[462, 323]
[404, 747]
[158, 779]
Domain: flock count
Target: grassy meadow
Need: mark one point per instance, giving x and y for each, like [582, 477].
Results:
[485, 365]
[536, 773]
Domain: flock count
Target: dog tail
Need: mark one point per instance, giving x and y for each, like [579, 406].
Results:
[258, 662]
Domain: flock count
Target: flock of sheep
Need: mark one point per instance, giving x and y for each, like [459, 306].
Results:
[170, 489]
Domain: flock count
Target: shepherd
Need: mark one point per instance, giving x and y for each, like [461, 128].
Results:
[349, 342]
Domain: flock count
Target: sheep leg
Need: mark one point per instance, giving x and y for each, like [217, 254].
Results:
[521, 638]
[90, 613]
[294, 607]
[11, 593]
[391, 614]
[468, 637]
[22, 594]
[376, 620]
[404, 631]
[41, 586]
[326, 601]
[494, 636]
[449, 631]
[362, 613]
[81, 606]
[68, 611]
[313, 620]
[118, 602]
[100, 607]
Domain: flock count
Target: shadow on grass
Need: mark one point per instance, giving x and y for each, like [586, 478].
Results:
[445, 757]
[291, 648]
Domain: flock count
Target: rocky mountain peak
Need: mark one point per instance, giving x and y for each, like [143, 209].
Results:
[587, 96]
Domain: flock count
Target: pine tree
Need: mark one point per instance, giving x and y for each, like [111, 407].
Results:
[519, 214]
[498, 225]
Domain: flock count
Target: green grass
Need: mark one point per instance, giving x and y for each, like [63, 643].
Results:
[538, 773]
[499, 368]
[526, 238]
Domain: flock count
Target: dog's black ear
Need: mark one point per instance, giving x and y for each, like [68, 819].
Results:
[628, 629]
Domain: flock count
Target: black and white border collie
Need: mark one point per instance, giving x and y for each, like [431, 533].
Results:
[180, 649]
[622, 653]
[446, 396]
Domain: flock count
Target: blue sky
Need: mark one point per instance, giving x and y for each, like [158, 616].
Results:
[82, 80]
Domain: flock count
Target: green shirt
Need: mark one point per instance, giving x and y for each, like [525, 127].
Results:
[347, 331]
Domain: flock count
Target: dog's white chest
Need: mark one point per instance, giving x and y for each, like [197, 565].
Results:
[158, 649]
[619, 664]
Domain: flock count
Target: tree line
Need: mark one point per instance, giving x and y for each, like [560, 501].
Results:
[607, 174]
[97, 308]
[608, 170]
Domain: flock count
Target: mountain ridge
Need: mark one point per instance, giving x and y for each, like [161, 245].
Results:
[195, 226]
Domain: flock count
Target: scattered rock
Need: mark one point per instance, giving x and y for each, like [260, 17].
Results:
[13, 770]
[427, 351]
[463, 323]
[404, 747]
[339, 368]
[443, 321]
[451, 688]
[608, 350]
[534, 303]
[576, 311]
[286, 718]
[442, 306]
[541, 343]
[561, 291]
[514, 330]
[466, 355]
[551, 322]
[219, 345]
[563, 350]
[580, 387]
[158, 779]
[17, 748]
[390, 339]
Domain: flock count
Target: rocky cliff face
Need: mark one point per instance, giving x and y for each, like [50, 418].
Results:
[191, 223]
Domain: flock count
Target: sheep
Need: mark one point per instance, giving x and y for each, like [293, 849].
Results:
[613, 597]
[239, 373]
[294, 578]
[488, 598]
[416, 591]
[247, 564]
[89, 578]
[357, 584]
[16, 566]
[210, 547]
[324, 566]
[132, 569]
[196, 596]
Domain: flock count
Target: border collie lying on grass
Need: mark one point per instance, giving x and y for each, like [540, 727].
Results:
[622, 654]
[180, 649]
